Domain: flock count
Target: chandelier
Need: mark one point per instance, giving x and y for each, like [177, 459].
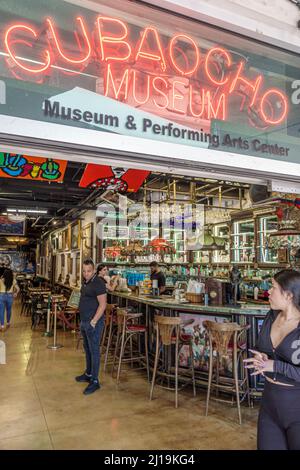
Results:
[113, 251]
[134, 248]
[205, 240]
[160, 246]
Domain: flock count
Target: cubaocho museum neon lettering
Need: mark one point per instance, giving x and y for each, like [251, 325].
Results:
[128, 67]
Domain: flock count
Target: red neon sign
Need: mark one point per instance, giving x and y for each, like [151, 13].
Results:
[156, 57]
[208, 59]
[148, 68]
[54, 35]
[113, 40]
[173, 58]
[8, 42]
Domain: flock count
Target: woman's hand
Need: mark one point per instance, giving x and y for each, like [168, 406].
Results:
[259, 355]
[260, 362]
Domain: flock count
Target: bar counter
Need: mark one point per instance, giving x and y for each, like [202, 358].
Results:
[167, 302]
[245, 314]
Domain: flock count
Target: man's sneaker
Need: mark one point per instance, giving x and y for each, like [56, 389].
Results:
[83, 378]
[91, 388]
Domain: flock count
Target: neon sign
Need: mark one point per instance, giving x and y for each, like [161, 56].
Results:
[173, 74]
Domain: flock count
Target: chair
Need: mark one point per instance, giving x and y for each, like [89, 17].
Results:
[128, 329]
[222, 338]
[109, 330]
[168, 334]
[39, 309]
[67, 315]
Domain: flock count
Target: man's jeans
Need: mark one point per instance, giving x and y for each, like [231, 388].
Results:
[91, 342]
[6, 301]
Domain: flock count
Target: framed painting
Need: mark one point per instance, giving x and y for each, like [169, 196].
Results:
[60, 241]
[63, 267]
[78, 270]
[69, 264]
[282, 255]
[75, 235]
[11, 225]
[87, 241]
[66, 239]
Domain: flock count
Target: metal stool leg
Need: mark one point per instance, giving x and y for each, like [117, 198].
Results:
[236, 380]
[209, 376]
[116, 352]
[108, 345]
[193, 368]
[176, 367]
[155, 364]
[147, 356]
[122, 351]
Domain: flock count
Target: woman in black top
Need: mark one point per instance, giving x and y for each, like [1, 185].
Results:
[277, 357]
[111, 283]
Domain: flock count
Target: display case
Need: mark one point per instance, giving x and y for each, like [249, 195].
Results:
[243, 241]
[267, 253]
[222, 256]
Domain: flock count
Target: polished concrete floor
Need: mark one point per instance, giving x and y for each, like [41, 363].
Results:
[42, 407]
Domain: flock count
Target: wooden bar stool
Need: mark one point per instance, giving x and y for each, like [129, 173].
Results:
[110, 326]
[227, 340]
[128, 329]
[167, 334]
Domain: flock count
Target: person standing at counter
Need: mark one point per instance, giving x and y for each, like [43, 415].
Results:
[92, 306]
[111, 283]
[277, 357]
[157, 274]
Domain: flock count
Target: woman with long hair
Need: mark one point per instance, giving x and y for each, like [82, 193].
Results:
[8, 291]
[110, 282]
[277, 358]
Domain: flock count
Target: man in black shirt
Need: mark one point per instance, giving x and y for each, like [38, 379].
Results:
[92, 306]
[156, 273]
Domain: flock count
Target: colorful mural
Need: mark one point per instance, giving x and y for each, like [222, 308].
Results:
[192, 325]
[20, 262]
[120, 180]
[31, 168]
[9, 226]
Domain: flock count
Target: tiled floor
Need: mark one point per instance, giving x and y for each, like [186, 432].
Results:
[42, 407]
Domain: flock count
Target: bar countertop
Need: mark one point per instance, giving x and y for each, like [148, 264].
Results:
[172, 304]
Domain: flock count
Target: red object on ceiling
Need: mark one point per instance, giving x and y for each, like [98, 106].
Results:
[115, 178]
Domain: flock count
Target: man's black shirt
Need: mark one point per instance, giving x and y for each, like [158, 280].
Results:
[89, 304]
[160, 278]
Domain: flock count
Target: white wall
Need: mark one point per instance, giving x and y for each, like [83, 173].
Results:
[272, 21]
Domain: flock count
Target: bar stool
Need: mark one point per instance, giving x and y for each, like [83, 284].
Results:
[109, 330]
[167, 334]
[222, 337]
[128, 329]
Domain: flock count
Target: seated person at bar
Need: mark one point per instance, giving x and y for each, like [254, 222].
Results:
[156, 273]
[111, 283]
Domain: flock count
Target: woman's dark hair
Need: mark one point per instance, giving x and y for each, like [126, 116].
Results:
[100, 267]
[289, 281]
[8, 278]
